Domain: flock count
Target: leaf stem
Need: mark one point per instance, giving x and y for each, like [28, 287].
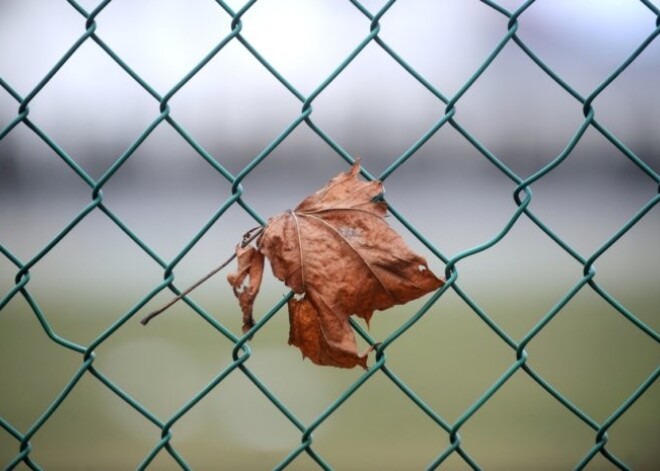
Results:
[248, 237]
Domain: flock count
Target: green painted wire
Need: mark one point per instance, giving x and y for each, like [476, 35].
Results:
[522, 195]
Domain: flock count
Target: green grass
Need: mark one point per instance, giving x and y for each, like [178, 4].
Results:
[449, 358]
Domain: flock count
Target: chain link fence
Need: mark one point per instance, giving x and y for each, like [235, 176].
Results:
[20, 440]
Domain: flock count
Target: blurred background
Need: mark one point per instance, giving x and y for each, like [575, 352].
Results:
[234, 108]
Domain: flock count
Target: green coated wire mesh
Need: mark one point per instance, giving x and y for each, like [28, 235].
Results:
[20, 442]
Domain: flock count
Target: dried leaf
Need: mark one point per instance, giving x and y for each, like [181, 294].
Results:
[336, 250]
[250, 265]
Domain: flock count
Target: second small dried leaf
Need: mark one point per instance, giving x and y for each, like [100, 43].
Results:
[250, 266]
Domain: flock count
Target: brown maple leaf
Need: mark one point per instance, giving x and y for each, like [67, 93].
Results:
[337, 253]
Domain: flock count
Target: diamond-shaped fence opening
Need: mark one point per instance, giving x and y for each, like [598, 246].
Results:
[512, 180]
